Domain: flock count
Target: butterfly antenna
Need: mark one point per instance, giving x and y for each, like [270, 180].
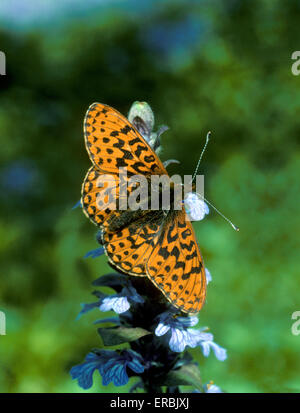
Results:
[209, 203]
[203, 150]
[220, 213]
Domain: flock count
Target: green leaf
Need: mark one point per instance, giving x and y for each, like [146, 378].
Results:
[118, 335]
[187, 375]
[99, 294]
[114, 320]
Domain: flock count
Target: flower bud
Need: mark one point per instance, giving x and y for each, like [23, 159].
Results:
[195, 207]
[142, 117]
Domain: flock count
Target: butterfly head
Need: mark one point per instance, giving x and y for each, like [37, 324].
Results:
[195, 207]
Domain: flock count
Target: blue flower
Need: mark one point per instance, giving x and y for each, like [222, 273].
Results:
[120, 303]
[219, 351]
[212, 388]
[208, 276]
[77, 205]
[182, 336]
[115, 369]
[84, 372]
[95, 253]
[195, 207]
[110, 364]
[209, 388]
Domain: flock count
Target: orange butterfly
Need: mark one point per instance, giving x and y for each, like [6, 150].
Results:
[158, 244]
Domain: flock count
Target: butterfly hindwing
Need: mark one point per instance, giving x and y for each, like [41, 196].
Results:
[96, 200]
[176, 266]
[129, 248]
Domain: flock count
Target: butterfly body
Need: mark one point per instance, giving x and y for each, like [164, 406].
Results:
[159, 244]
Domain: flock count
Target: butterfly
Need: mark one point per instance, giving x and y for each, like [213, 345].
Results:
[160, 244]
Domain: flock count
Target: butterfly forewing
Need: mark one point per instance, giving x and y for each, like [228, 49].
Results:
[113, 142]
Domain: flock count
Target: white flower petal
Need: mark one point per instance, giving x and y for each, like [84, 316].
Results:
[208, 276]
[205, 348]
[117, 304]
[193, 320]
[195, 207]
[161, 329]
[185, 322]
[219, 351]
[206, 209]
[121, 305]
[178, 340]
[212, 388]
[192, 338]
[107, 304]
[204, 336]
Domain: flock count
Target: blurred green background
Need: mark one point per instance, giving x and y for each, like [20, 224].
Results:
[223, 66]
